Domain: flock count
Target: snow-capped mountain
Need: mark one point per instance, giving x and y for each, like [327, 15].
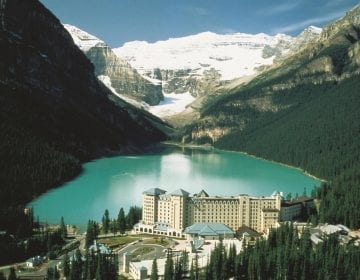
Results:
[118, 74]
[231, 55]
[309, 34]
[193, 65]
[82, 39]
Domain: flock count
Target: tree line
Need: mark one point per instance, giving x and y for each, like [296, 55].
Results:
[120, 224]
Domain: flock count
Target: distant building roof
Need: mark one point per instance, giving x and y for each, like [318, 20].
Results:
[209, 229]
[202, 194]
[99, 248]
[180, 192]
[34, 260]
[161, 226]
[154, 191]
[299, 200]
[248, 231]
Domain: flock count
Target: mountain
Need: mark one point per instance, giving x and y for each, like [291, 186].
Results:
[54, 112]
[124, 79]
[198, 65]
[196, 62]
[303, 112]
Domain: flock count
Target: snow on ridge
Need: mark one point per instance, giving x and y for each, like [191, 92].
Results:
[107, 82]
[82, 39]
[172, 104]
[315, 29]
[233, 55]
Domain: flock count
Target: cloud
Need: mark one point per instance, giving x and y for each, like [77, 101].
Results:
[305, 23]
[281, 8]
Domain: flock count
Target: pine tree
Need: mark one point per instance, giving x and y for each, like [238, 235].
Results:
[192, 272]
[106, 222]
[63, 229]
[66, 265]
[92, 232]
[121, 221]
[154, 271]
[169, 267]
[99, 268]
[12, 274]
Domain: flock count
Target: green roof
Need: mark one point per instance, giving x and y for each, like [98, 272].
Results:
[209, 229]
[180, 192]
[154, 191]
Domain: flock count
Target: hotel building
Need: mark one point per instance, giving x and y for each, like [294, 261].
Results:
[170, 213]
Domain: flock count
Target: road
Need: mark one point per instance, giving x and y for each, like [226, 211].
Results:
[157, 253]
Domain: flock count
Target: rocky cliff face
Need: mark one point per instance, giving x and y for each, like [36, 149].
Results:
[54, 111]
[124, 79]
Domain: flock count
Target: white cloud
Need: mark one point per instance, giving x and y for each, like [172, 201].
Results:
[281, 8]
[305, 23]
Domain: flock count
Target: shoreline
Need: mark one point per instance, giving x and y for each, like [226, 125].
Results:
[210, 147]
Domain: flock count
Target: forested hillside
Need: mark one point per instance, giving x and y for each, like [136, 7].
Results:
[304, 112]
[54, 112]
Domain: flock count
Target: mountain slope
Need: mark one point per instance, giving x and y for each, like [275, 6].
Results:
[54, 112]
[303, 112]
[124, 79]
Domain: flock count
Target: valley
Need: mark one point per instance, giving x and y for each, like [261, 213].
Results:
[84, 125]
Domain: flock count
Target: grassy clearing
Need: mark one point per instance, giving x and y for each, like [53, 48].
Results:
[142, 251]
[118, 241]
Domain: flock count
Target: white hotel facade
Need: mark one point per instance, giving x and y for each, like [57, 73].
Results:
[170, 213]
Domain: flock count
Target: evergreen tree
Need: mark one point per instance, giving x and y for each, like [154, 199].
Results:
[169, 267]
[114, 226]
[99, 268]
[63, 229]
[12, 274]
[154, 271]
[106, 222]
[91, 233]
[121, 221]
[66, 265]
[133, 216]
[192, 272]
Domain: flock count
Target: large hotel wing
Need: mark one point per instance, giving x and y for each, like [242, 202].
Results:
[170, 213]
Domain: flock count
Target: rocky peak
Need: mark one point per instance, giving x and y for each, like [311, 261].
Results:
[124, 79]
[308, 35]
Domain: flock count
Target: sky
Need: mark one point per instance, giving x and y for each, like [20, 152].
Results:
[120, 21]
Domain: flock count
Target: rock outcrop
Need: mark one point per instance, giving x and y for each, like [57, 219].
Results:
[124, 79]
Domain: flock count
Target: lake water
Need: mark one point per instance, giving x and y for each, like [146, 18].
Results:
[111, 183]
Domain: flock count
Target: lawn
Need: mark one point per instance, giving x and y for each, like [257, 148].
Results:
[142, 251]
[118, 241]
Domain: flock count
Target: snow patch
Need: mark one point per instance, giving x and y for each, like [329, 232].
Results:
[107, 82]
[172, 104]
[232, 55]
[82, 39]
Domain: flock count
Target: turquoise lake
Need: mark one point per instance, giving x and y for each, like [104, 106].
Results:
[114, 182]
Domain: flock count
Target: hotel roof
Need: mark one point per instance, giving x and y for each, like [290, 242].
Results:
[180, 192]
[208, 229]
[154, 191]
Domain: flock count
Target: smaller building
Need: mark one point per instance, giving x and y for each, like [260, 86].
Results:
[99, 248]
[292, 209]
[248, 235]
[34, 262]
[209, 231]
